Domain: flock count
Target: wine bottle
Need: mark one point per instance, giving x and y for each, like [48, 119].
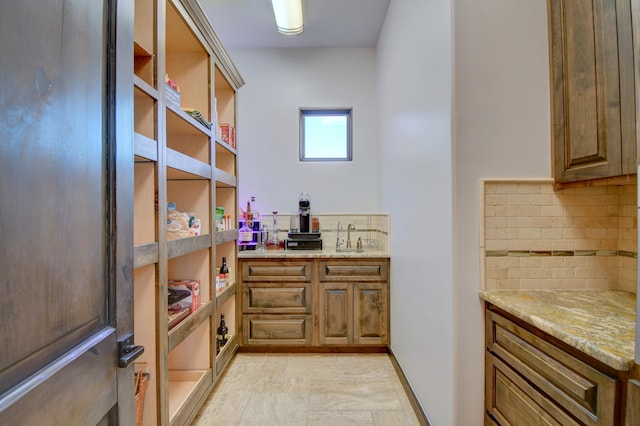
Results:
[224, 272]
[221, 334]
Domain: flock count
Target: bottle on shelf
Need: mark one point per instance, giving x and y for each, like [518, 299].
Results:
[224, 273]
[221, 334]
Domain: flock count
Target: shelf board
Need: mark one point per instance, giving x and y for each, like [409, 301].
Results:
[192, 121]
[220, 144]
[145, 87]
[181, 331]
[226, 236]
[224, 179]
[185, 167]
[182, 123]
[225, 295]
[140, 50]
[145, 254]
[144, 148]
[188, 245]
[226, 353]
[186, 389]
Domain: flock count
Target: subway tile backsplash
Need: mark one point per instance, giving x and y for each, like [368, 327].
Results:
[373, 229]
[533, 237]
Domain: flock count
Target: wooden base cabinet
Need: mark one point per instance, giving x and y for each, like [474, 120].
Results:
[530, 380]
[315, 302]
[633, 403]
[354, 313]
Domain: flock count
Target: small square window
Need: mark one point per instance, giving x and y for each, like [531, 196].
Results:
[325, 135]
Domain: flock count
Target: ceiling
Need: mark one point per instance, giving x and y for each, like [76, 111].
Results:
[327, 23]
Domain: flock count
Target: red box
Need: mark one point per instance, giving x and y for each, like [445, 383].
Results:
[228, 134]
[194, 287]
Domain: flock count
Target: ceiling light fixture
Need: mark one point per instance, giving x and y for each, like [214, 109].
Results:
[288, 16]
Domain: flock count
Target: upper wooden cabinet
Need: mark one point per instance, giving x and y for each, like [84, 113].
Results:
[593, 89]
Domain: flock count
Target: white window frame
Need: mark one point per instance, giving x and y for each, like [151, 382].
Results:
[343, 112]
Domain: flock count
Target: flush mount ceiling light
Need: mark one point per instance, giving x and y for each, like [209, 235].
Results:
[288, 16]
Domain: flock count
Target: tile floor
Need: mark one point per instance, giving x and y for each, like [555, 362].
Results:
[308, 389]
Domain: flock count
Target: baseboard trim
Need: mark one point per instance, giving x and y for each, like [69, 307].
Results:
[311, 349]
[417, 408]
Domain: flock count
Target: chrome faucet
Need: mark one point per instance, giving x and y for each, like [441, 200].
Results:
[338, 243]
[350, 227]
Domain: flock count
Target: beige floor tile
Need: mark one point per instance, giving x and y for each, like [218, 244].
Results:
[395, 418]
[223, 408]
[308, 389]
[349, 394]
[339, 418]
[275, 409]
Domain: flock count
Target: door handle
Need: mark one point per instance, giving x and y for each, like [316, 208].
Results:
[127, 351]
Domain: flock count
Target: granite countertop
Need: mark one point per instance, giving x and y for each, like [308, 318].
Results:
[600, 323]
[311, 254]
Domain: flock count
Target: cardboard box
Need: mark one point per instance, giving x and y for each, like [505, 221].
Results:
[228, 134]
[193, 300]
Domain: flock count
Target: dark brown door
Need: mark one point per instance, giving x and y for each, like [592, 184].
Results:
[63, 275]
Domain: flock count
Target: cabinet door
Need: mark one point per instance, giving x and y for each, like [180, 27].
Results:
[371, 313]
[585, 90]
[633, 403]
[336, 313]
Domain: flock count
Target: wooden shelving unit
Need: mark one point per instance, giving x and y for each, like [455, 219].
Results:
[180, 159]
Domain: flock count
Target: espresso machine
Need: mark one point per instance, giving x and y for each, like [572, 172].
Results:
[307, 237]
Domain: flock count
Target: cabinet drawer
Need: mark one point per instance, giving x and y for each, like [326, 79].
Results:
[584, 392]
[282, 298]
[515, 402]
[276, 271]
[292, 330]
[360, 270]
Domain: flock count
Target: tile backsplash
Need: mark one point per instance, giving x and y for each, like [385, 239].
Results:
[373, 229]
[533, 237]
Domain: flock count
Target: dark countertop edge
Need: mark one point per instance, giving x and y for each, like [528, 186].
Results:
[615, 361]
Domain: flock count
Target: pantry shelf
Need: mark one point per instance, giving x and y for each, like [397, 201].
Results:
[227, 351]
[224, 179]
[181, 331]
[226, 236]
[183, 246]
[144, 148]
[145, 87]
[183, 167]
[186, 388]
[225, 295]
[192, 121]
[145, 254]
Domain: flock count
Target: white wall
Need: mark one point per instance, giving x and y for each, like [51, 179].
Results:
[415, 83]
[502, 129]
[424, 172]
[278, 83]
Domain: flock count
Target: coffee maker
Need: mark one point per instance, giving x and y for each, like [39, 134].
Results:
[305, 238]
[304, 211]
